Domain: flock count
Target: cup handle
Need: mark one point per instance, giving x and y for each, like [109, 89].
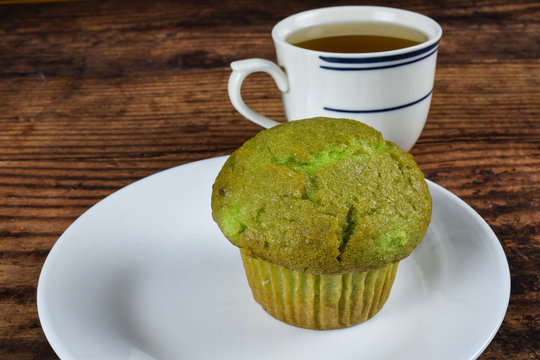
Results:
[241, 69]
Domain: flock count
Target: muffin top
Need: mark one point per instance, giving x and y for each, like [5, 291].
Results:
[322, 196]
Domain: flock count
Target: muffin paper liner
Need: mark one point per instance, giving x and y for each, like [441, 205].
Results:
[315, 301]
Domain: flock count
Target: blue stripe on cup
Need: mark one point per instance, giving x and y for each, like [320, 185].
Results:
[378, 110]
[335, 68]
[378, 59]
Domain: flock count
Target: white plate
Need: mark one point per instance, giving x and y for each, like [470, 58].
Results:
[146, 274]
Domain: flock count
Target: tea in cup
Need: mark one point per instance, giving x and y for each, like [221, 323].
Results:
[368, 63]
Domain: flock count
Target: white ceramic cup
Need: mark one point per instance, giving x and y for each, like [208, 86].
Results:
[390, 91]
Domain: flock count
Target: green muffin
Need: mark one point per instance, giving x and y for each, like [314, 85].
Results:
[322, 210]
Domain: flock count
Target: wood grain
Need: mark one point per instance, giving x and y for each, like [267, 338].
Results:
[96, 95]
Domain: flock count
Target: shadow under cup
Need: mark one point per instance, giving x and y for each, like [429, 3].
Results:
[388, 90]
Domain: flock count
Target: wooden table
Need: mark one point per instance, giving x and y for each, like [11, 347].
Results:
[96, 95]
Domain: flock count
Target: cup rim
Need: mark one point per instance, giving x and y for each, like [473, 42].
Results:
[298, 21]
